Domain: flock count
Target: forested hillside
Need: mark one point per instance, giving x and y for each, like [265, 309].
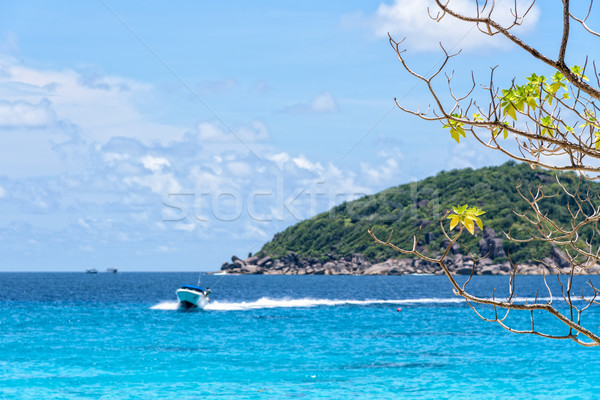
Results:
[342, 231]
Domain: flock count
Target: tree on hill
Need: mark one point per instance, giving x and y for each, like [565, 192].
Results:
[546, 121]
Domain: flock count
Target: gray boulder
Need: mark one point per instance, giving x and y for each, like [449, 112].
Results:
[378, 269]
[226, 266]
[252, 269]
[492, 247]
[455, 248]
[490, 270]
[560, 257]
[429, 237]
[489, 233]
[422, 203]
[251, 260]
[463, 270]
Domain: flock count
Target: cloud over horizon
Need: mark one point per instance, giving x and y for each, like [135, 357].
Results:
[124, 187]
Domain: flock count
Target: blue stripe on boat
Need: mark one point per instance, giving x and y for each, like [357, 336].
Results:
[192, 287]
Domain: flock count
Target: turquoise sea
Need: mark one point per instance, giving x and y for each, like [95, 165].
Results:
[120, 336]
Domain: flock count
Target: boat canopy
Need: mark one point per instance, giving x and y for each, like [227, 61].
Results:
[192, 287]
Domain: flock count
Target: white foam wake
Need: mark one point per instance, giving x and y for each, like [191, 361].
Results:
[165, 305]
[266, 302]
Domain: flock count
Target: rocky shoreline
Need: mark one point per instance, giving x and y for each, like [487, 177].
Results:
[490, 246]
[292, 264]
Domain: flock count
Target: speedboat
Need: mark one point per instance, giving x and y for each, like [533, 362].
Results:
[191, 296]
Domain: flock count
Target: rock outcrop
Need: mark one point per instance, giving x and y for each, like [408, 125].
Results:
[490, 247]
[356, 264]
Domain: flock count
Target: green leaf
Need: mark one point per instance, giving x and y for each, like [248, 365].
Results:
[578, 71]
[547, 126]
[510, 111]
[456, 128]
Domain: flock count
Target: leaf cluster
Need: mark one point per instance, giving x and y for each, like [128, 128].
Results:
[466, 216]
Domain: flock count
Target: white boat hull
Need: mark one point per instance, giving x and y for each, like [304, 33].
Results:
[190, 299]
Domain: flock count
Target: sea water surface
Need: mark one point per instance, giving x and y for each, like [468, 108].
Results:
[120, 336]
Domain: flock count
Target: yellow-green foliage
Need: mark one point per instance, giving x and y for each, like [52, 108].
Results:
[467, 217]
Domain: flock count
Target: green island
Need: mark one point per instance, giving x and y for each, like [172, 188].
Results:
[337, 241]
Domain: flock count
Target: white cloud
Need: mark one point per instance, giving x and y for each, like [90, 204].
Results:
[157, 183]
[155, 164]
[104, 106]
[185, 227]
[257, 131]
[125, 174]
[465, 155]
[280, 159]
[209, 131]
[205, 180]
[213, 132]
[83, 223]
[123, 237]
[322, 103]
[252, 231]
[411, 19]
[21, 113]
[111, 158]
[240, 169]
[305, 163]
[165, 249]
[380, 173]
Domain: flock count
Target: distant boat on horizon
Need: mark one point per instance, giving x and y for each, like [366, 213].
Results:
[112, 270]
[91, 271]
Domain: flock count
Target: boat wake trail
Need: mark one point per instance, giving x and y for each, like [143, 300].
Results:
[166, 305]
[266, 302]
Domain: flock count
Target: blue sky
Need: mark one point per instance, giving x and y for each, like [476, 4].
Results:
[160, 136]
